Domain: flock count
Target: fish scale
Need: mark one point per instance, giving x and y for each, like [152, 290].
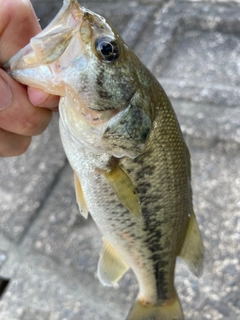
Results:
[123, 141]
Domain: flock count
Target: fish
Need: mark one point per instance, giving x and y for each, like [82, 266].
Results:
[131, 165]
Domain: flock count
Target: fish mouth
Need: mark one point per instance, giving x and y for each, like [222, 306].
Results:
[55, 57]
[35, 64]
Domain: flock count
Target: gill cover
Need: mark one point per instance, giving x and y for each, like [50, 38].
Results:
[127, 132]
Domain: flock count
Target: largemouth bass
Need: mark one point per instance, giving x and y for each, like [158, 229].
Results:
[123, 141]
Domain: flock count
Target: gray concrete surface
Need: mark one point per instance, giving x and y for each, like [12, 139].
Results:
[49, 252]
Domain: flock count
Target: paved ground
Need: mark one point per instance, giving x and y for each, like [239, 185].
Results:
[48, 253]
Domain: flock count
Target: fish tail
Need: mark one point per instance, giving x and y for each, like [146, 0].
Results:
[167, 311]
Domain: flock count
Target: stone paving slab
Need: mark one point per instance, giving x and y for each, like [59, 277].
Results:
[42, 284]
[216, 192]
[194, 51]
[26, 180]
[208, 124]
[129, 20]
[55, 294]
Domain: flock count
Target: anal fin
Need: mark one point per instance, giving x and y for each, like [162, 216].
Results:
[124, 189]
[110, 266]
[80, 197]
[192, 251]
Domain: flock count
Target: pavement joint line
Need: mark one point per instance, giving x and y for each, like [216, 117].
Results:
[207, 17]
[184, 83]
[133, 37]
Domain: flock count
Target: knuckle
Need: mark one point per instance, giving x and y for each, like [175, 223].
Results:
[36, 123]
[23, 145]
[13, 145]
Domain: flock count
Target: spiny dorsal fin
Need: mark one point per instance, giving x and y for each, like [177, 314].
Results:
[111, 267]
[80, 197]
[192, 251]
[124, 189]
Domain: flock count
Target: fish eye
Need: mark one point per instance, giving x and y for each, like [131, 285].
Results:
[108, 49]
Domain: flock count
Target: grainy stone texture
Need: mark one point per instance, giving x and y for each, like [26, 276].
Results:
[50, 252]
[26, 181]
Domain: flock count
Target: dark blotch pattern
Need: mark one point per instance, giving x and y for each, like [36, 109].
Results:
[102, 91]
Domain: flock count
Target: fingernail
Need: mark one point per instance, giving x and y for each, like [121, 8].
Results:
[37, 96]
[5, 94]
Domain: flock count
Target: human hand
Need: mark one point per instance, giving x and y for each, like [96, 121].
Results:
[24, 111]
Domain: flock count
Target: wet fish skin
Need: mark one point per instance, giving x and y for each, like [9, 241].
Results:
[124, 143]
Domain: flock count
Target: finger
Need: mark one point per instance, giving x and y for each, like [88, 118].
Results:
[20, 116]
[18, 25]
[42, 99]
[12, 144]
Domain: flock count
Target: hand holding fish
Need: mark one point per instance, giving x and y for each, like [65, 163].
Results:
[20, 119]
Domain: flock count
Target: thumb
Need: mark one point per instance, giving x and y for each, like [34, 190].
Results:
[18, 24]
[17, 114]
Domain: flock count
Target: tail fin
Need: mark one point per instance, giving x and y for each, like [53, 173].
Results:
[171, 311]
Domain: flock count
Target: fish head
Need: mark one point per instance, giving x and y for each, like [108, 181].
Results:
[81, 57]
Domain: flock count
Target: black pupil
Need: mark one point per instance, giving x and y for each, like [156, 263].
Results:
[106, 49]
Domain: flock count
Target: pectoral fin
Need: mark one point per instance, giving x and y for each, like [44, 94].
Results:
[110, 266]
[192, 250]
[124, 189]
[80, 197]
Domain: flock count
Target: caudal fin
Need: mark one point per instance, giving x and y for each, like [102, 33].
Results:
[171, 311]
